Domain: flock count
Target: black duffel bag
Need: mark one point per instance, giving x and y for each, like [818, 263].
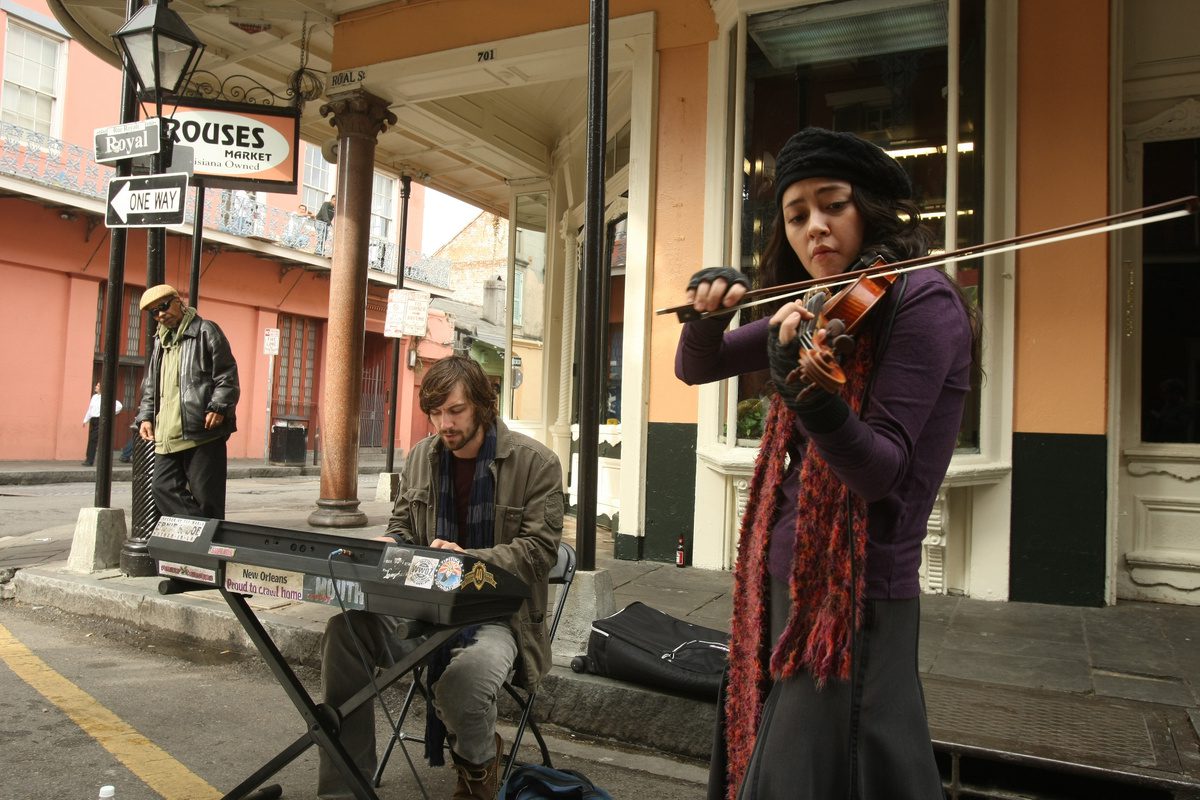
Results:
[642, 645]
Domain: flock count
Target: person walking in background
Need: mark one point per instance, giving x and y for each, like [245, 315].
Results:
[823, 698]
[127, 451]
[187, 408]
[91, 418]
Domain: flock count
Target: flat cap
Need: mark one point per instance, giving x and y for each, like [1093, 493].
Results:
[819, 153]
[156, 293]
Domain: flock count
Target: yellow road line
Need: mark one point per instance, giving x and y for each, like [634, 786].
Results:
[149, 762]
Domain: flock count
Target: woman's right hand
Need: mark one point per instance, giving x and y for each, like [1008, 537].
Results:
[716, 287]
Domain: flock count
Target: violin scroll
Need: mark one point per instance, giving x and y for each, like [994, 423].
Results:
[826, 339]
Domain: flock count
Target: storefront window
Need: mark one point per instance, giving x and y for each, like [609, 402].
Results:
[1170, 285]
[883, 73]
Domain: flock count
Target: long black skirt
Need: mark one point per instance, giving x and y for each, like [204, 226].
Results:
[866, 740]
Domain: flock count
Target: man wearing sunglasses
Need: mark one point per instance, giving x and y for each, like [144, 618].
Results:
[187, 408]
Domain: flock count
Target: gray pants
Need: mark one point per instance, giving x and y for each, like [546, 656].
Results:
[465, 696]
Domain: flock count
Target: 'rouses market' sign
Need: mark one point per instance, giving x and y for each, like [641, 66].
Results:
[238, 145]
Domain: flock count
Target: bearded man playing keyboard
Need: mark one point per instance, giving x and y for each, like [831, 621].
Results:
[473, 487]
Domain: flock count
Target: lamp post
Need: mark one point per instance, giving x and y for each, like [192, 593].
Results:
[159, 52]
[405, 192]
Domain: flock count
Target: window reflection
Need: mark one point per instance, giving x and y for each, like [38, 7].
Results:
[883, 74]
[1170, 286]
[525, 362]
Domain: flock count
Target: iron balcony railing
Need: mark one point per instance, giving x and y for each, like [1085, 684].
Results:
[46, 161]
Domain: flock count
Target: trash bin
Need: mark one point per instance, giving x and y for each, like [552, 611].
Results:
[288, 445]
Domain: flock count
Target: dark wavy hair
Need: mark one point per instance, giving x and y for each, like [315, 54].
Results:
[892, 228]
[453, 371]
[885, 232]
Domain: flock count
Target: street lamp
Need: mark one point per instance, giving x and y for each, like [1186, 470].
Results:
[159, 49]
[159, 52]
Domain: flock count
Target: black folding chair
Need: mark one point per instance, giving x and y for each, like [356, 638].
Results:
[561, 575]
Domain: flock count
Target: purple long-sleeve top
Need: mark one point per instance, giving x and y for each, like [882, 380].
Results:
[896, 453]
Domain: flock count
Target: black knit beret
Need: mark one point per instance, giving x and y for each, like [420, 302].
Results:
[818, 153]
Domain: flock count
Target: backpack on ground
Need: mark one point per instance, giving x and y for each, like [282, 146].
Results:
[535, 782]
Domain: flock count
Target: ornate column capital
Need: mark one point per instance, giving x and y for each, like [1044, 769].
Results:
[358, 114]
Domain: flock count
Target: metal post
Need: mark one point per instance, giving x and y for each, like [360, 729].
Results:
[405, 186]
[112, 312]
[135, 555]
[197, 247]
[270, 400]
[592, 287]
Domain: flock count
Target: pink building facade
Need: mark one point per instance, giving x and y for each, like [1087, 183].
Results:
[264, 266]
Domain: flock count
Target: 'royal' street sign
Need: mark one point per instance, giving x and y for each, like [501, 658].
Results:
[150, 201]
[126, 141]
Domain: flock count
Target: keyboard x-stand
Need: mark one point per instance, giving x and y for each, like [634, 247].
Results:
[435, 586]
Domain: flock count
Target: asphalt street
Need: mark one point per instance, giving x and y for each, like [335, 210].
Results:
[36, 520]
[88, 703]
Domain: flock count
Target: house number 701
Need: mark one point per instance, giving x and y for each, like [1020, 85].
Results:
[486, 55]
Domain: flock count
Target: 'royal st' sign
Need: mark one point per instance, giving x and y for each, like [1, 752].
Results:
[238, 145]
[126, 141]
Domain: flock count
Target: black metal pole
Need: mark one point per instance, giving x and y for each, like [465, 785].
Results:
[405, 187]
[112, 309]
[197, 247]
[592, 287]
[135, 554]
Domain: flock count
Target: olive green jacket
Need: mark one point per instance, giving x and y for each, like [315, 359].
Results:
[529, 520]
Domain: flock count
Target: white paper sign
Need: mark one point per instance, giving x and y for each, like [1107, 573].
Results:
[407, 313]
[271, 342]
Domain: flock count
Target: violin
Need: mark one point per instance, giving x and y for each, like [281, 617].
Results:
[826, 338]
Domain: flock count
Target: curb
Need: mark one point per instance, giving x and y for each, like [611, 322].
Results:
[125, 474]
[584, 704]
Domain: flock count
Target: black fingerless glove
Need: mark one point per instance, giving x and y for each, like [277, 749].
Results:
[820, 411]
[782, 359]
[710, 274]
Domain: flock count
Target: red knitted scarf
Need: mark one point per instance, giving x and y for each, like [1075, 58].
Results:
[817, 636]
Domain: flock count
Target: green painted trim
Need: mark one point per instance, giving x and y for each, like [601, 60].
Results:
[627, 547]
[1059, 519]
[670, 489]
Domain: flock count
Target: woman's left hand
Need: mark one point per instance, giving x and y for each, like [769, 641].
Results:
[788, 318]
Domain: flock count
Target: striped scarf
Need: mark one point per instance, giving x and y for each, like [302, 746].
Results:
[481, 508]
[480, 534]
[817, 636]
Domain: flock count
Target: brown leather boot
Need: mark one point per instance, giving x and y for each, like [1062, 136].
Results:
[477, 781]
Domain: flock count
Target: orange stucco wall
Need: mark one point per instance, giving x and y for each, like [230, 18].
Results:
[678, 219]
[370, 37]
[1062, 177]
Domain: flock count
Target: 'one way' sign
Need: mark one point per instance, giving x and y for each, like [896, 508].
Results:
[149, 201]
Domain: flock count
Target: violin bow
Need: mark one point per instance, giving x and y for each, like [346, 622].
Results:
[1159, 212]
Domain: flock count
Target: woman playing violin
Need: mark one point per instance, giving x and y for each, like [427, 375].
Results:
[823, 697]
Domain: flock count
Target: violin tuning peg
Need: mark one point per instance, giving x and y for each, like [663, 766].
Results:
[843, 345]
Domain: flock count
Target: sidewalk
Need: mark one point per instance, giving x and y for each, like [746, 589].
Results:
[1114, 688]
[34, 473]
